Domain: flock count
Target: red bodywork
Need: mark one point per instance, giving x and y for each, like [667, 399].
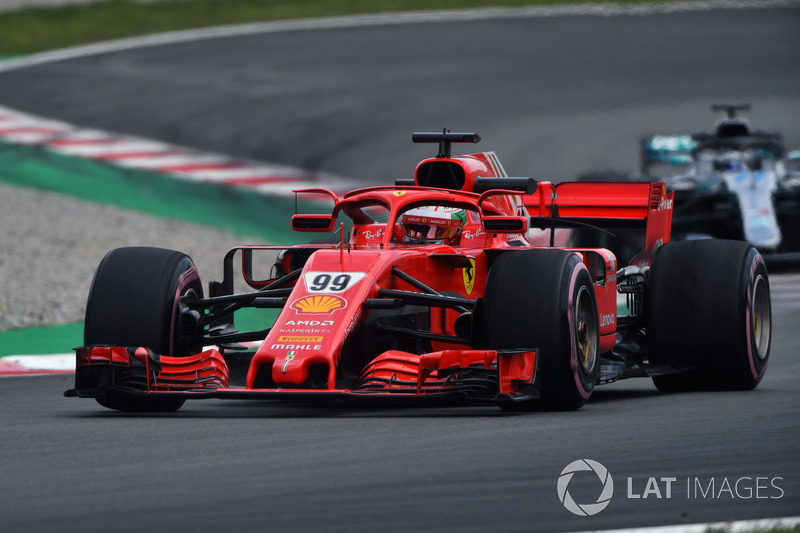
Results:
[309, 350]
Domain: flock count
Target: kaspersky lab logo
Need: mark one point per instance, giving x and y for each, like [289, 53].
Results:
[605, 481]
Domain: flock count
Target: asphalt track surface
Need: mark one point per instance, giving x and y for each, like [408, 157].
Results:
[554, 97]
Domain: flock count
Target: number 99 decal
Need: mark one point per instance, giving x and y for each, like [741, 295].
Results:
[331, 282]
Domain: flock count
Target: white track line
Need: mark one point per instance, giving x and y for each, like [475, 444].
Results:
[785, 290]
[65, 361]
[101, 147]
[738, 526]
[420, 17]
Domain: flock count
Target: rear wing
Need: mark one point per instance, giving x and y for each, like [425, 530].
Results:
[605, 205]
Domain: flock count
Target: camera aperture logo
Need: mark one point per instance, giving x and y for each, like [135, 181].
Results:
[585, 509]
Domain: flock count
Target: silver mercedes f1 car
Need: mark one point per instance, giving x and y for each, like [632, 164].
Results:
[731, 183]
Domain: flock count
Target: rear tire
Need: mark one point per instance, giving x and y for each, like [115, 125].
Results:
[708, 306]
[134, 301]
[545, 299]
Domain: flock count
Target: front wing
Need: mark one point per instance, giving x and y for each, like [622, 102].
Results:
[449, 375]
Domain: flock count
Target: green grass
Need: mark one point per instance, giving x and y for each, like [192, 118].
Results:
[38, 29]
[62, 338]
[41, 340]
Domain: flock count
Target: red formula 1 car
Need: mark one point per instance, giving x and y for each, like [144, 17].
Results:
[432, 291]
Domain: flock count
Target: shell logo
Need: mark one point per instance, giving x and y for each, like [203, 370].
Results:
[324, 305]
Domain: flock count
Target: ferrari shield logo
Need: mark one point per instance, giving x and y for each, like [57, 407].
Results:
[469, 276]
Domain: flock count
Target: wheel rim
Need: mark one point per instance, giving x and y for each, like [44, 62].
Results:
[761, 320]
[188, 290]
[586, 330]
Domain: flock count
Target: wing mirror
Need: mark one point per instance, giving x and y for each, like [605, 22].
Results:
[504, 224]
[313, 223]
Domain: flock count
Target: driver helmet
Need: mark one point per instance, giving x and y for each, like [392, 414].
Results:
[729, 163]
[433, 225]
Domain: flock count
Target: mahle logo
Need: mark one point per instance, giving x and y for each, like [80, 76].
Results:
[585, 509]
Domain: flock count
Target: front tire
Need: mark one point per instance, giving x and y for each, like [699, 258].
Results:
[135, 300]
[708, 306]
[545, 299]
